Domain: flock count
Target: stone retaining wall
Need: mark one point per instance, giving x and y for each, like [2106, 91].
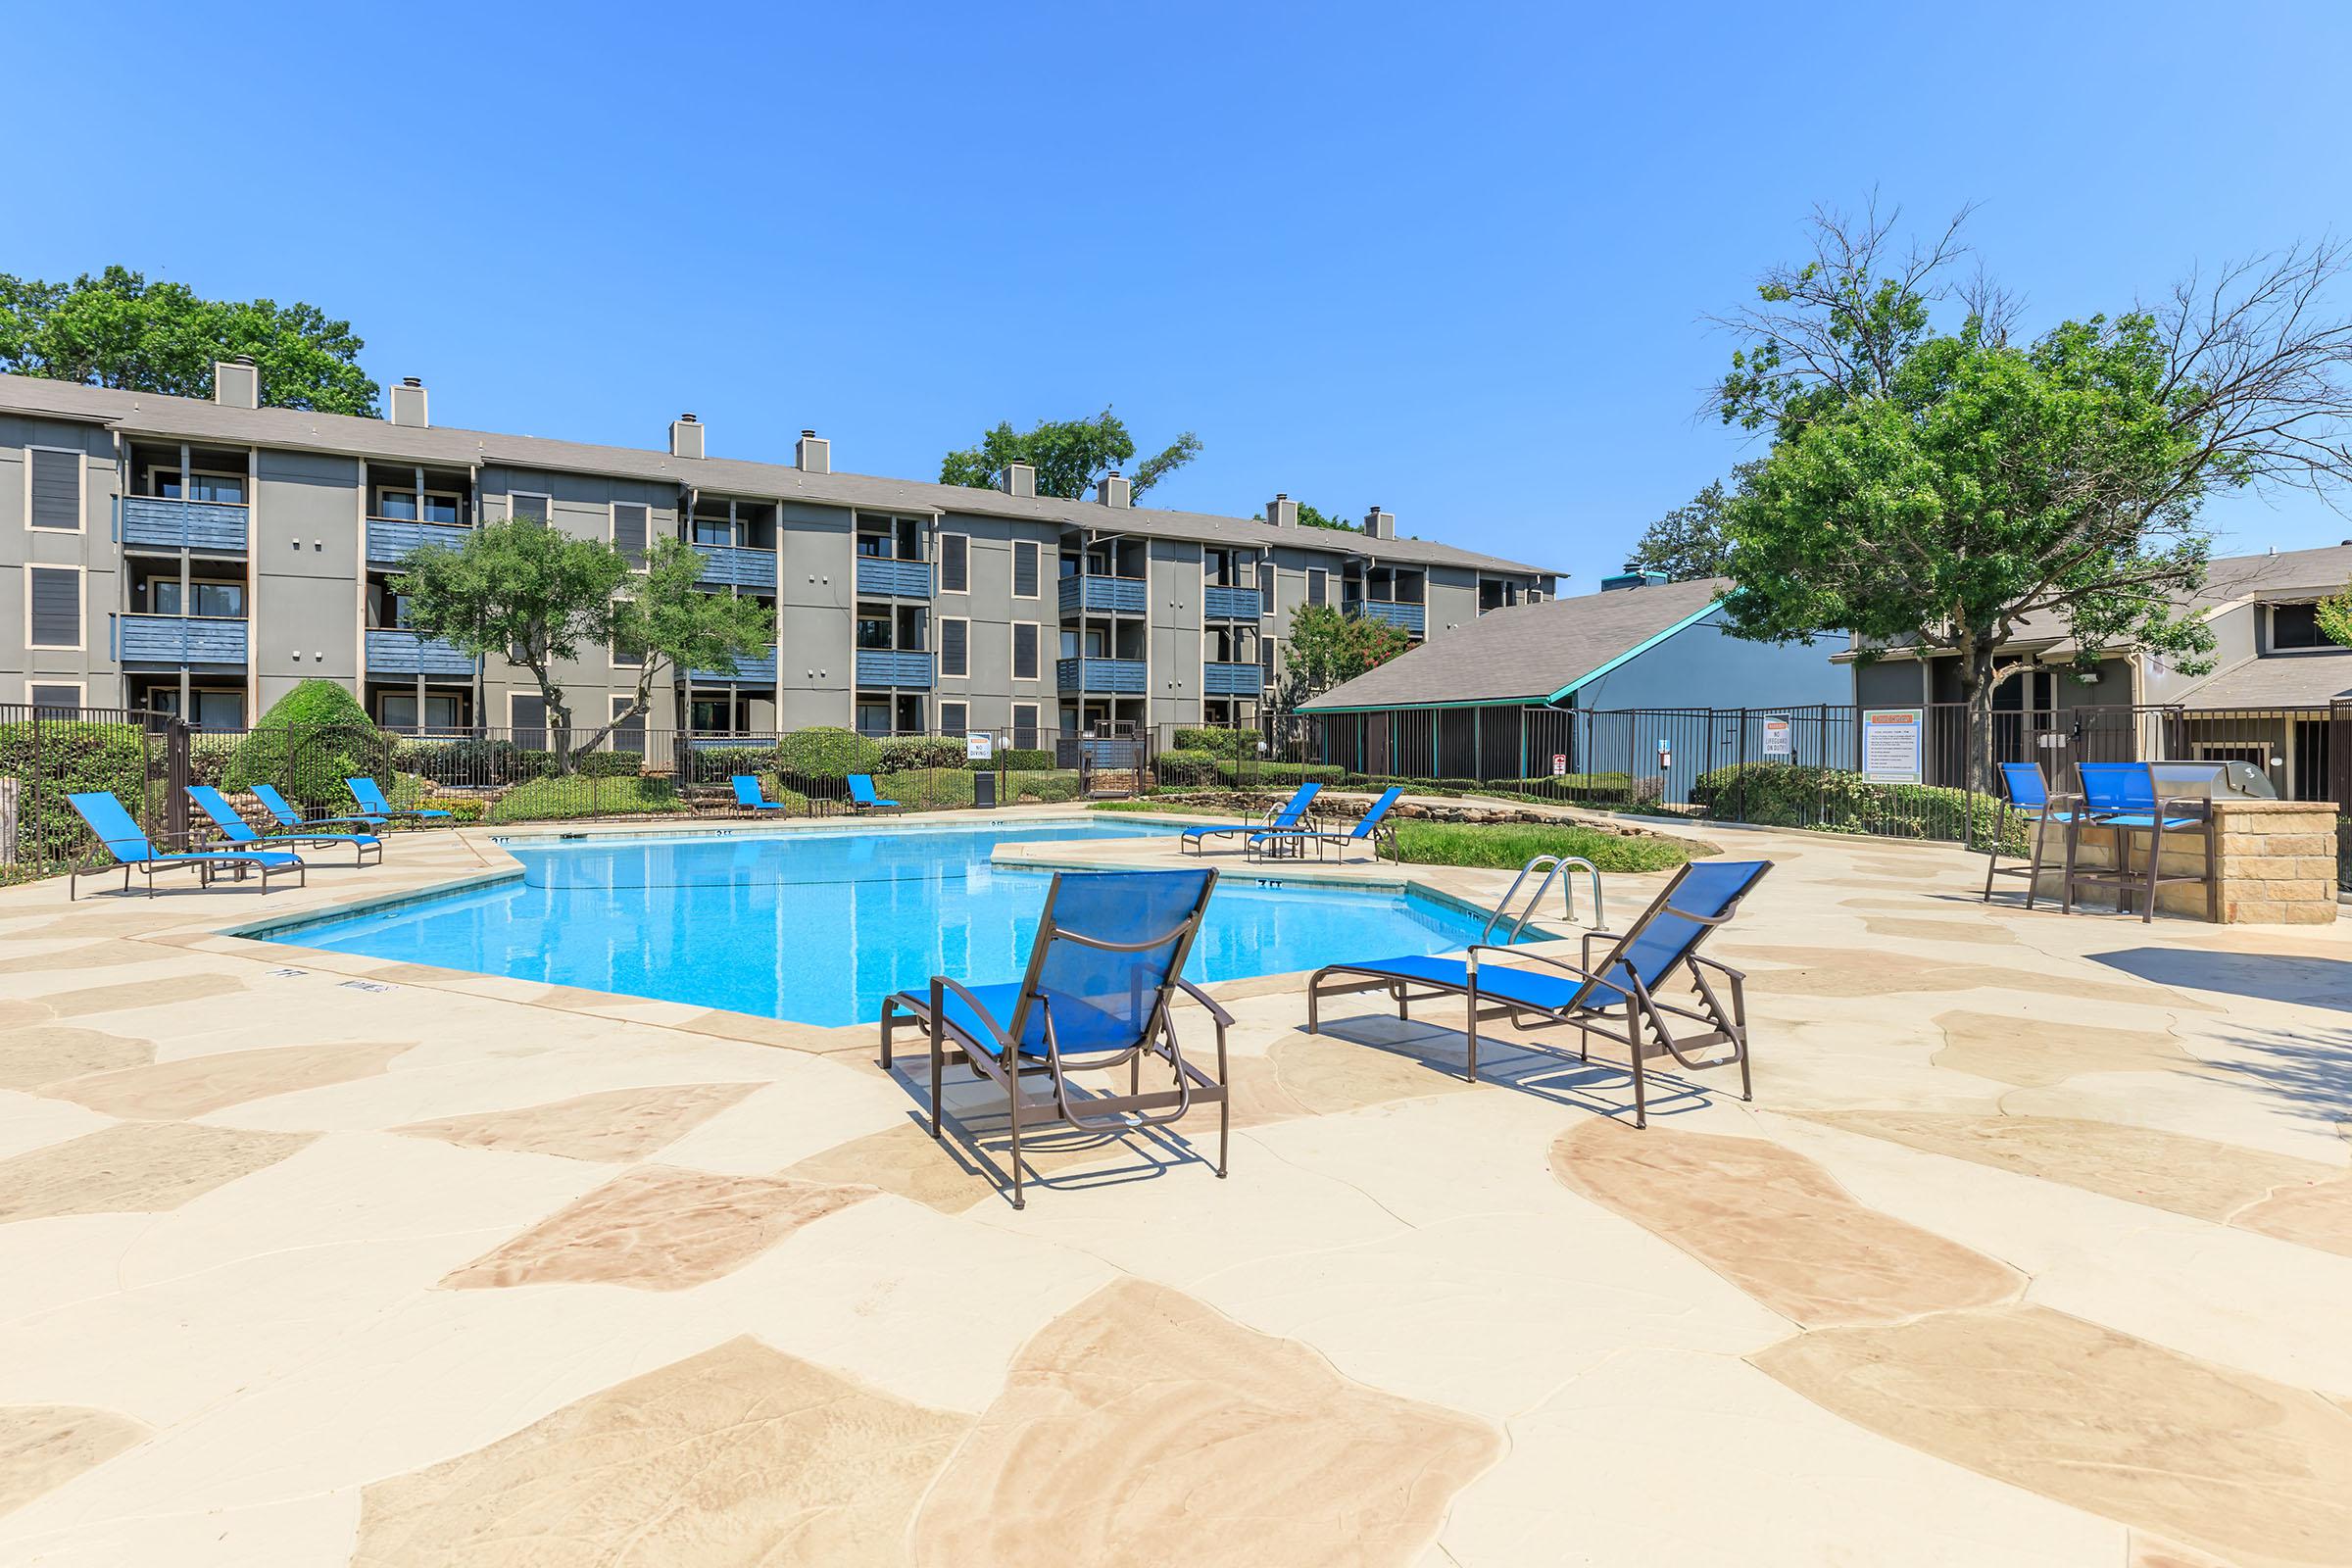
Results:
[2277, 864]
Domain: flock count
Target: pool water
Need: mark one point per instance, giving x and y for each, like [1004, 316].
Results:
[818, 926]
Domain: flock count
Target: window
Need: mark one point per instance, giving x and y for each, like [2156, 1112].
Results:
[1266, 587]
[1024, 568]
[627, 656]
[163, 480]
[1265, 656]
[1318, 586]
[628, 530]
[526, 716]
[53, 607]
[955, 646]
[219, 709]
[954, 563]
[1024, 649]
[398, 504]
[54, 702]
[873, 626]
[217, 599]
[954, 719]
[2294, 626]
[628, 735]
[537, 508]
[53, 489]
[1024, 726]
[398, 711]
[717, 531]
[873, 716]
[712, 716]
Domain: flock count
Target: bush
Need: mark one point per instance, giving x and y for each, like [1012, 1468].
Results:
[58, 760]
[1835, 801]
[827, 752]
[209, 756]
[311, 738]
[1584, 786]
[1186, 768]
[716, 764]
[1230, 743]
[1270, 774]
[1507, 846]
[920, 789]
[469, 762]
[1026, 760]
[906, 754]
[555, 800]
[1045, 786]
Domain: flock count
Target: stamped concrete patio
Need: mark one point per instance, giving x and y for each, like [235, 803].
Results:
[2035, 1248]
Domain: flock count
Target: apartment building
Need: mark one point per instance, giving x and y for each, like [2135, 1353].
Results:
[201, 557]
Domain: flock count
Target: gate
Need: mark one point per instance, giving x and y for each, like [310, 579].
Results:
[1111, 760]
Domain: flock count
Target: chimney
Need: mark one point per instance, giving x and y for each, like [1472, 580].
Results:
[408, 402]
[1115, 490]
[1281, 512]
[685, 436]
[814, 454]
[1379, 524]
[1020, 479]
[237, 383]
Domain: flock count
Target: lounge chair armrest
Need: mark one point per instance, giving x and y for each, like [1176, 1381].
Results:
[1591, 937]
[1224, 1018]
[974, 1003]
[1522, 956]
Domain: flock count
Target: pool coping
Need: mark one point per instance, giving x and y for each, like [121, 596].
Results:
[248, 938]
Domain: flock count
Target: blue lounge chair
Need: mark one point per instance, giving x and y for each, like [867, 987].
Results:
[1372, 828]
[2028, 797]
[371, 796]
[752, 796]
[119, 832]
[864, 799]
[1293, 815]
[278, 807]
[237, 831]
[1104, 972]
[2122, 797]
[1665, 940]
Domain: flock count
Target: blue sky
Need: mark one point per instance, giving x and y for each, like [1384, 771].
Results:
[1451, 261]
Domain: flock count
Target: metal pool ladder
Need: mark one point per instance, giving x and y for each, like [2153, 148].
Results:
[1554, 868]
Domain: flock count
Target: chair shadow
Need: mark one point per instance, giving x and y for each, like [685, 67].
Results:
[2269, 976]
[1547, 1072]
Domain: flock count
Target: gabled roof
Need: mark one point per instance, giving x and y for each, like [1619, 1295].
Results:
[152, 416]
[2303, 679]
[1529, 654]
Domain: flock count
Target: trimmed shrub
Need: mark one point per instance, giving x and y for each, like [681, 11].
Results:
[716, 764]
[1230, 743]
[1268, 774]
[311, 738]
[828, 751]
[1186, 768]
[1584, 786]
[209, 756]
[1024, 760]
[919, 789]
[1048, 786]
[555, 800]
[62, 760]
[905, 754]
[1835, 801]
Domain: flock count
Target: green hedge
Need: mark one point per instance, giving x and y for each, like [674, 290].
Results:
[1231, 744]
[827, 752]
[311, 738]
[1026, 759]
[1039, 784]
[922, 788]
[1268, 774]
[909, 753]
[551, 799]
[1832, 800]
[1586, 786]
[61, 759]
[1186, 767]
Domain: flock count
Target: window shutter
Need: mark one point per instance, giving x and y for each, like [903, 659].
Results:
[954, 636]
[629, 734]
[954, 563]
[1024, 569]
[531, 722]
[56, 702]
[1266, 655]
[56, 606]
[536, 508]
[952, 718]
[1024, 651]
[1024, 726]
[55, 490]
[1318, 586]
[1266, 587]
[629, 532]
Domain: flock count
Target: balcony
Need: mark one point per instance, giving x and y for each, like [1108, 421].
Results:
[1231, 681]
[1117, 676]
[738, 566]
[1233, 603]
[881, 667]
[177, 640]
[1106, 596]
[747, 673]
[160, 524]
[1414, 619]
[406, 653]
[389, 541]
[907, 579]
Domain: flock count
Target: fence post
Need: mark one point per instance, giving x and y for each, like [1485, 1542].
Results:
[176, 782]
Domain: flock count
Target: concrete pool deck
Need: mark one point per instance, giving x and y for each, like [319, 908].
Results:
[2033, 1247]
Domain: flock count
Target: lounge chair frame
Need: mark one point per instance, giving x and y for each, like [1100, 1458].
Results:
[1644, 1013]
[2043, 816]
[867, 808]
[1000, 1058]
[360, 843]
[1270, 843]
[1195, 839]
[207, 864]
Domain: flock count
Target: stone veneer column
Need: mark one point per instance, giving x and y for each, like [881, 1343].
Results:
[2278, 862]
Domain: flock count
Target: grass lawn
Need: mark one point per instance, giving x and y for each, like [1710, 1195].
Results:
[1502, 846]
[554, 799]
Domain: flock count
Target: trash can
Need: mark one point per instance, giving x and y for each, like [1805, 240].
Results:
[983, 789]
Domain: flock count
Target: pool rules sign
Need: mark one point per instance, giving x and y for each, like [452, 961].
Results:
[1892, 747]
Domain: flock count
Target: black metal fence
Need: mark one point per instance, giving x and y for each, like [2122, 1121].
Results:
[49, 752]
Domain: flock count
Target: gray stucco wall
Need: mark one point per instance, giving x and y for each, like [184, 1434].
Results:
[1703, 666]
[92, 551]
[306, 572]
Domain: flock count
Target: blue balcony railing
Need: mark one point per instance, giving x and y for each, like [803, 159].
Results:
[177, 640]
[737, 567]
[1219, 679]
[161, 523]
[908, 579]
[389, 540]
[877, 666]
[1233, 603]
[1119, 676]
[1412, 617]
[1108, 596]
[392, 651]
[760, 672]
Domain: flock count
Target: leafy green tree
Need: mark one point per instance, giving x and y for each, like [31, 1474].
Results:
[309, 741]
[1310, 517]
[1328, 648]
[537, 597]
[1937, 489]
[2334, 616]
[1689, 541]
[119, 331]
[1069, 455]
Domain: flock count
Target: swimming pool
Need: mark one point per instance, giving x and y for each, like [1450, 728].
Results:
[818, 925]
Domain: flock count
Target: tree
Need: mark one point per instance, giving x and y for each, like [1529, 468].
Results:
[1689, 541]
[1328, 648]
[1309, 517]
[1936, 489]
[1069, 455]
[119, 331]
[2334, 616]
[537, 597]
